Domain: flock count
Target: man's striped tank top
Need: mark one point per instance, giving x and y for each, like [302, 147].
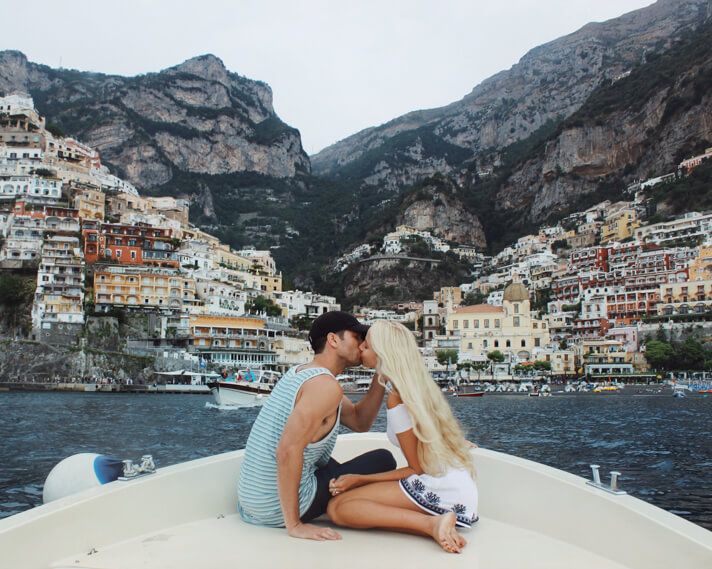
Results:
[257, 492]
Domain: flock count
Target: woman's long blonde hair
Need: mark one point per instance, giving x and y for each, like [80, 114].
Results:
[441, 442]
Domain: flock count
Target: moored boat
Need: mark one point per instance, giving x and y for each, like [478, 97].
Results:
[468, 394]
[250, 390]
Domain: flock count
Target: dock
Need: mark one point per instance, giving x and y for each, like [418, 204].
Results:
[153, 389]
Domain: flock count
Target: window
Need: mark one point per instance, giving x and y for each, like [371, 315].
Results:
[509, 343]
[516, 308]
[524, 343]
[465, 323]
[537, 342]
[484, 343]
[477, 323]
[516, 321]
[486, 323]
[496, 343]
[455, 324]
[497, 323]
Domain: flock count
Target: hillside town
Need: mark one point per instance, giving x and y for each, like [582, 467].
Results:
[579, 298]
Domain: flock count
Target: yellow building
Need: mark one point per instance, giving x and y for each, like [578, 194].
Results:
[225, 256]
[195, 234]
[90, 202]
[270, 284]
[448, 296]
[122, 203]
[143, 287]
[620, 225]
[509, 328]
[701, 266]
[689, 297]
[233, 341]
[605, 358]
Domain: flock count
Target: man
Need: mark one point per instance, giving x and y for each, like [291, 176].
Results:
[285, 474]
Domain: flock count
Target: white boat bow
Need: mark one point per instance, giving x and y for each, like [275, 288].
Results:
[184, 516]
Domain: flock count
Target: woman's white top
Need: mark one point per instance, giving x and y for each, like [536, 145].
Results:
[454, 491]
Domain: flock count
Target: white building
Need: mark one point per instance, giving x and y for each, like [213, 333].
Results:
[57, 310]
[692, 226]
[13, 186]
[309, 304]
[24, 238]
[495, 297]
[108, 182]
[220, 298]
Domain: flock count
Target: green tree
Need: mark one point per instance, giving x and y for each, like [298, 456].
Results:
[474, 297]
[301, 322]
[541, 365]
[261, 304]
[478, 368]
[447, 357]
[690, 354]
[660, 355]
[495, 356]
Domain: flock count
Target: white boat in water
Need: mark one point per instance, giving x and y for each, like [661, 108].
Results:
[250, 390]
[184, 516]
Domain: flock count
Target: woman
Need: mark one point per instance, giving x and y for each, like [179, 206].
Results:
[436, 491]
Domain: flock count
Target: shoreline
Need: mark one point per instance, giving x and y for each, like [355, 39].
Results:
[68, 387]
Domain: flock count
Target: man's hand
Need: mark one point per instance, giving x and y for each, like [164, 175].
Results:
[345, 482]
[310, 531]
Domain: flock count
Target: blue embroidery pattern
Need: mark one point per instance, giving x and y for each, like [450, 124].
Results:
[430, 501]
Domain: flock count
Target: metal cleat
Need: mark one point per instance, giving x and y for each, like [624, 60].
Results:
[596, 482]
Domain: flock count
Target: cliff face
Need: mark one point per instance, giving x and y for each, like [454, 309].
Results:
[436, 207]
[548, 84]
[640, 126]
[196, 117]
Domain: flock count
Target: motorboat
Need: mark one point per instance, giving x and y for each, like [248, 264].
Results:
[184, 516]
[246, 389]
[468, 393]
[606, 389]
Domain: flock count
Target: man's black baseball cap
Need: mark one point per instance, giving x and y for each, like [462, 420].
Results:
[335, 321]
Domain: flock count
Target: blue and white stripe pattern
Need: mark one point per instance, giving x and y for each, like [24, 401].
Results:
[257, 492]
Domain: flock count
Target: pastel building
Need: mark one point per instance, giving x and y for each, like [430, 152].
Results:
[509, 328]
[233, 342]
[143, 287]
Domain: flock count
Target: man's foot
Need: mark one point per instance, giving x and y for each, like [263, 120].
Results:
[446, 535]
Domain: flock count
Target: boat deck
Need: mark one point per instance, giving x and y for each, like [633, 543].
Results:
[226, 541]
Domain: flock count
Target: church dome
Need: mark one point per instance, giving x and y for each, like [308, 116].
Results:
[515, 292]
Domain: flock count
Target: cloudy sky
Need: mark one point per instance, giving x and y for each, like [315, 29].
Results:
[335, 66]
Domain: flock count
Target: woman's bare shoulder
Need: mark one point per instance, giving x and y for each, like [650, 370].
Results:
[393, 400]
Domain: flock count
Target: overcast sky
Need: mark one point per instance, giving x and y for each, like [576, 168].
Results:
[335, 67]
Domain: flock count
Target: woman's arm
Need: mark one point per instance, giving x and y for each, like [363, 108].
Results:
[409, 446]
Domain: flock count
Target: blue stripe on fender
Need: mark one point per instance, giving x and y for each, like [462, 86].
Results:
[107, 468]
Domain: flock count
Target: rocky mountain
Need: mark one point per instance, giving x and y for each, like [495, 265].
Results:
[195, 130]
[640, 126]
[437, 207]
[573, 121]
[549, 83]
[528, 143]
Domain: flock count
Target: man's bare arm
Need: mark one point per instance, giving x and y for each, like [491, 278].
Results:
[318, 398]
[360, 416]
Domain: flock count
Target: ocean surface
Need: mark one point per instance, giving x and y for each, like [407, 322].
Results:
[662, 445]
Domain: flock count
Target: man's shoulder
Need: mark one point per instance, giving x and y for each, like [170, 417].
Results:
[322, 386]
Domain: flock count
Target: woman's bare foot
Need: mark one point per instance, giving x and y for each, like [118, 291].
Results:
[446, 535]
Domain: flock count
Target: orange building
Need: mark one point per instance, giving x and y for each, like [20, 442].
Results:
[129, 244]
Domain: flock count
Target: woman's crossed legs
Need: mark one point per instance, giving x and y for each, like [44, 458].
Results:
[384, 505]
